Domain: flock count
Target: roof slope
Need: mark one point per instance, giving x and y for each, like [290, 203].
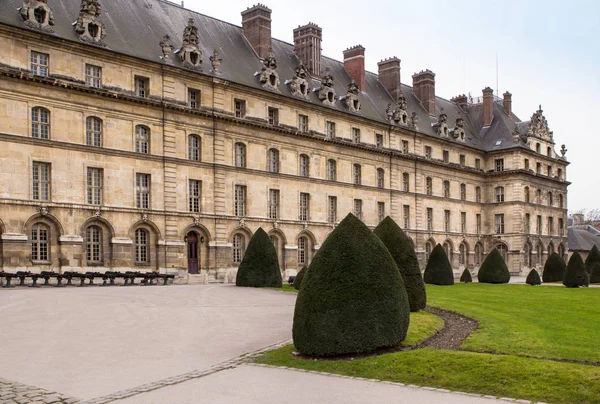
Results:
[583, 238]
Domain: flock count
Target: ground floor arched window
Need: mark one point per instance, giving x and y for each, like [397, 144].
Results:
[302, 250]
[141, 246]
[463, 254]
[239, 247]
[503, 250]
[478, 254]
[428, 249]
[93, 245]
[528, 255]
[40, 236]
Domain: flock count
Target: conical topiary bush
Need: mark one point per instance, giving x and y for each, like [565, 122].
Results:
[399, 245]
[438, 270]
[299, 277]
[533, 278]
[576, 274]
[595, 275]
[493, 269]
[554, 269]
[593, 257]
[466, 276]
[259, 267]
[352, 297]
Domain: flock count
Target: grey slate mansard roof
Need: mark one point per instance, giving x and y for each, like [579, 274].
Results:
[583, 238]
[136, 27]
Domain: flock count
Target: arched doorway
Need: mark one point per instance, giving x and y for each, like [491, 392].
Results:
[193, 258]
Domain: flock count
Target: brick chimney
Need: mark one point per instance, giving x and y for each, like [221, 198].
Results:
[256, 26]
[424, 89]
[354, 63]
[507, 102]
[461, 101]
[488, 106]
[389, 76]
[307, 45]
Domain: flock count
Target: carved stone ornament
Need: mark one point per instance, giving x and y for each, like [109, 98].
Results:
[167, 48]
[563, 150]
[516, 136]
[43, 210]
[197, 220]
[88, 27]
[538, 126]
[97, 213]
[242, 222]
[190, 54]
[275, 224]
[459, 130]
[299, 84]
[400, 115]
[37, 15]
[326, 91]
[215, 61]
[351, 98]
[414, 121]
[305, 225]
[268, 76]
[145, 217]
[441, 127]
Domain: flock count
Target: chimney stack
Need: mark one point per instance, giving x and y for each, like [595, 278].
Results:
[389, 76]
[461, 101]
[424, 89]
[488, 106]
[307, 45]
[354, 63]
[256, 26]
[507, 103]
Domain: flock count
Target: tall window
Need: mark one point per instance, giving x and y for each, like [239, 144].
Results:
[273, 160]
[193, 98]
[141, 246]
[538, 148]
[240, 155]
[93, 131]
[463, 222]
[463, 192]
[239, 247]
[380, 211]
[526, 192]
[142, 86]
[303, 123]
[240, 108]
[273, 116]
[358, 208]
[40, 123]
[378, 140]
[528, 255]
[447, 189]
[429, 219]
[503, 250]
[330, 129]
[478, 164]
[40, 180]
[273, 204]
[478, 254]
[194, 147]
[39, 243]
[526, 164]
[499, 220]
[356, 135]
[332, 209]
[538, 196]
[357, 174]
[195, 195]
[304, 206]
[499, 164]
[446, 156]
[549, 171]
[448, 248]
[94, 186]
[142, 139]
[550, 225]
[428, 249]
[559, 173]
[446, 221]
[302, 250]
[561, 201]
[561, 227]
[304, 165]
[478, 194]
[39, 64]
[540, 251]
[549, 151]
[93, 76]
[478, 223]
[550, 199]
[428, 185]
[538, 168]
[462, 160]
[427, 152]
[380, 178]
[240, 200]
[462, 254]
[331, 170]
[405, 146]
[539, 225]
[405, 182]
[142, 191]
[499, 194]
[93, 245]
[527, 224]
[406, 212]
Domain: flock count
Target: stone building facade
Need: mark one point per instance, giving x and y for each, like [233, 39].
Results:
[164, 145]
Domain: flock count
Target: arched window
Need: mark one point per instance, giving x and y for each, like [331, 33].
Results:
[538, 148]
[540, 252]
[304, 165]
[429, 186]
[406, 182]
[448, 249]
[142, 139]
[357, 174]
[240, 155]
[526, 192]
[380, 178]
[40, 123]
[273, 160]
[40, 238]
[463, 192]
[446, 189]
[561, 250]
[549, 151]
[194, 147]
[331, 170]
[239, 247]
[93, 131]
[561, 201]
[538, 196]
[527, 252]
[463, 254]
[302, 250]
[478, 254]
[550, 249]
[478, 194]
[141, 247]
[503, 250]
[499, 194]
[550, 199]
[428, 249]
[93, 245]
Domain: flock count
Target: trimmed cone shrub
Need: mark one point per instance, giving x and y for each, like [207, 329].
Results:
[493, 269]
[399, 245]
[593, 257]
[554, 269]
[438, 270]
[352, 297]
[533, 278]
[576, 274]
[260, 266]
[595, 276]
[299, 277]
[466, 276]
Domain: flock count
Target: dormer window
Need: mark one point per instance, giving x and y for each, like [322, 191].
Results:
[40, 15]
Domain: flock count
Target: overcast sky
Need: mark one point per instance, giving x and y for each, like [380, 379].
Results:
[548, 53]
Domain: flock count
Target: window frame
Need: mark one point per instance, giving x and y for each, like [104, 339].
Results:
[94, 128]
[40, 123]
[194, 98]
[273, 203]
[239, 108]
[273, 115]
[93, 75]
[41, 180]
[36, 66]
[93, 245]
[239, 200]
[194, 147]
[141, 247]
[356, 174]
[194, 196]
[94, 183]
[273, 160]
[142, 139]
[141, 86]
[40, 246]
[142, 190]
[304, 207]
[239, 155]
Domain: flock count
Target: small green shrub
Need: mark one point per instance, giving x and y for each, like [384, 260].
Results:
[399, 245]
[493, 269]
[438, 270]
[576, 274]
[554, 269]
[593, 257]
[466, 276]
[595, 276]
[259, 267]
[533, 278]
[352, 297]
[299, 277]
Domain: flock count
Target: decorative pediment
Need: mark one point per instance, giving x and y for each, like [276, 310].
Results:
[459, 130]
[326, 91]
[167, 48]
[351, 98]
[299, 84]
[190, 54]
[215, 61]
[538, 126]
[88, 27]
[268, 76]
[441, 127]
[37, 14]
